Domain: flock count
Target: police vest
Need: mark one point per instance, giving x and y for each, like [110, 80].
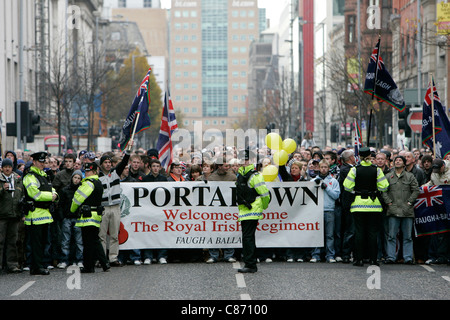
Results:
[44, 185]
[39, 212]
[366, 181]
[94, 201]
[245, 195]
[95, 198]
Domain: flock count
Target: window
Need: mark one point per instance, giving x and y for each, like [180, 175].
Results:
[351, 29]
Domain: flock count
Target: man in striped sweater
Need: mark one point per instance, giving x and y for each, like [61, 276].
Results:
[110, 179]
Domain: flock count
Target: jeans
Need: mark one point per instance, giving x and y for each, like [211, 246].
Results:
[328, 217]
[68, 230]
[227, 253]
[405, 225]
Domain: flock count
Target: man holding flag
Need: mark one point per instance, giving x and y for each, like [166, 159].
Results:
[168, 127]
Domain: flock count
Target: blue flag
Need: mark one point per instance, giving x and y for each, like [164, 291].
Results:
[139, 107]
[432, 210]
[441, 124]
[380, 84]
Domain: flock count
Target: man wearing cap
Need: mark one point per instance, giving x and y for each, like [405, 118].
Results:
[402, 193]
[87, 202]
[441, 173]
[255, 200]
[110, 179]
[11, 192]
[40, 193]
[366, 181]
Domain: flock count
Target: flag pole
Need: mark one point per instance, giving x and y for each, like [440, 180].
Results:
[130, 144]
[376, 66]
[432, 114]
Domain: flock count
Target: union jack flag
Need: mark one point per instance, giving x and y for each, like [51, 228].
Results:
[429, 195]
[432, 210]
[168, 127]
[139, 107]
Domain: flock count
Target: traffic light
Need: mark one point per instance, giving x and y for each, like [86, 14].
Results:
[11, 127]
[34, 126]
[403, 122]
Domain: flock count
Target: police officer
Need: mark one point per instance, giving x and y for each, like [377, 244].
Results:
[87, 202]
[40, 196]
[251, 204]
[365, 182]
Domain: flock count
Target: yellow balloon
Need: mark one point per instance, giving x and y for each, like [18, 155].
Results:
[280, 157]
[274, 141]
[289, 145]
[270, 173]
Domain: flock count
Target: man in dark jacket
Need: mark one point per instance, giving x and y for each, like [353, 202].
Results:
[11, 191]
[347, 227]
[154, 175]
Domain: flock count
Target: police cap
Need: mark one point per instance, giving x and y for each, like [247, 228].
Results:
[39, 156]
[90, 166]
[365, 152]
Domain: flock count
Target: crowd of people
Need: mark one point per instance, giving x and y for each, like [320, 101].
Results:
[349, 236]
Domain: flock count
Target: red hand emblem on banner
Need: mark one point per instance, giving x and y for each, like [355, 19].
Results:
[123, 234]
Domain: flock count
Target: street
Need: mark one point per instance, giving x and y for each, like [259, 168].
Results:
[221, 281]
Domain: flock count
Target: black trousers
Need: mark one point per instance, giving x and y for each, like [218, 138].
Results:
[38, 241]
[92, 248]
[367, 227]
[249, 243]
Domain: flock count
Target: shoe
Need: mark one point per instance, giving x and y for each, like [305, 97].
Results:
[137, 262]
[331, 260]
[106, 267]
[408, 262]
[162, 261]
[373, 263]
[116, 264]
[290, 260]
[147, 261]
[62, 265]
[346, 260]
[50, 267]
[358, 263]
[299, 260]
[14, 270]
[40, 272]
[80, 265]
[313, 260]
[87, 270]
[247, 270]
[268, 260]
[388, 261]
[231, 259]
[338, 259]
[211, 260]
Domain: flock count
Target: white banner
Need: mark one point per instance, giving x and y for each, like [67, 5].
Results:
[169, 215]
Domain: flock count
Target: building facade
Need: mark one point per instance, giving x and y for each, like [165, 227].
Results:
[209, 53]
